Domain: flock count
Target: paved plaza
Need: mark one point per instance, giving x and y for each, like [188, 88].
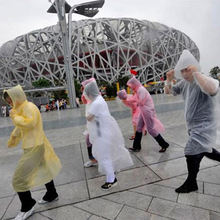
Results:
[145, 191]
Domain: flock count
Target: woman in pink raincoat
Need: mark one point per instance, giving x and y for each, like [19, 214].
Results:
[129, 101]
[147, 117]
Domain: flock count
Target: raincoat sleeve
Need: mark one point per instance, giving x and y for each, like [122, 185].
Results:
[207, 84]
[177, 88]
[28, 118]
[15, 137]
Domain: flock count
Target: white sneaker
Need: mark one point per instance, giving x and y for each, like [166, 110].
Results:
[42, 202]
[24, 215]
[90, 164]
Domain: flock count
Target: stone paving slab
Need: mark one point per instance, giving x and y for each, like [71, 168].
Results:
[145, 191]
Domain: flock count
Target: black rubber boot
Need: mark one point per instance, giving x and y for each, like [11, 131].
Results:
[190, 184]
[137, 142]
[51, 193]
[27, 202]
[162, 143]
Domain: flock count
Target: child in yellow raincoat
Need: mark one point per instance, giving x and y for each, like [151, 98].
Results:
[39, 164]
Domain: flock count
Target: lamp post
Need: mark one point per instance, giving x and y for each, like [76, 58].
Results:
[88, 9]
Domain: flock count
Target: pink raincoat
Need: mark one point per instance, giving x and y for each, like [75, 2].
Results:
[147, 110]
[129, 101]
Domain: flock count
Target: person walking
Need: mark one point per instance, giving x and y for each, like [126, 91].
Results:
[106, 138]
[147, 117]
[39, 164]
[92, 161]
[198, 92]
[128, 100]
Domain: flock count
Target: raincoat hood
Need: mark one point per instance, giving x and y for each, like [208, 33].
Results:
[134, 83]
[186, 59]
[84, 83]
[17, 96]
[91, 91]
[122, 94]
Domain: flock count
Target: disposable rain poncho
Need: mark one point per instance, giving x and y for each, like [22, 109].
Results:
[108, 145]
[84, 83]
[39, 164]
[199, 98]
[147, 109]
[129, 101]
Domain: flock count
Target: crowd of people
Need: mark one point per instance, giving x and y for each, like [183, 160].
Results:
[106, 147]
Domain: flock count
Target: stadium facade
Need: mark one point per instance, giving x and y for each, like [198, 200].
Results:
[104, 48]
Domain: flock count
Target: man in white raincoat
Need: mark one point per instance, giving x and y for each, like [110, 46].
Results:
[39, 164]
[198, 93]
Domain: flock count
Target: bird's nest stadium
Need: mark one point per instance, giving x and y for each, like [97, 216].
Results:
[104, 48]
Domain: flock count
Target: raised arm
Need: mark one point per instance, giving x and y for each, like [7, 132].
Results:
[207, 84]
[168, 82]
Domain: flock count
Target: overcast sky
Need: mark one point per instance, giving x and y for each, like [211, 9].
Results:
[199, 19]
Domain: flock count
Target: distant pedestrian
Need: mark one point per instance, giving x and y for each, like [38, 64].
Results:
[198, 93]
[39, 164]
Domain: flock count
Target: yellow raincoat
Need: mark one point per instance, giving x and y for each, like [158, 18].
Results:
[39, 164]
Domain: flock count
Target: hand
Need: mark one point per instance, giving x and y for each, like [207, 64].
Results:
[170, 75]
[13, 142]
[193, 69]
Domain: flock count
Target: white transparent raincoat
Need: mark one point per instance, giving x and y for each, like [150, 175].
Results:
[108, 146]
[199, 96]
[39, 164]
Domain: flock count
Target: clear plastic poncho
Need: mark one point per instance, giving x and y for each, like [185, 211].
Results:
[39, 164]
[108, 146]
[147, 110]
[199, 96]
[84, 83]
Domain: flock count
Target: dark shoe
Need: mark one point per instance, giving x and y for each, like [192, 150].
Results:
[132, 137]
[133, 149]
[186, 188]
[162, 143]
[108, 186]
[162, 150]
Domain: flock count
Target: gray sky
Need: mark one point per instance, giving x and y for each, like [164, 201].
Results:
[199, 19]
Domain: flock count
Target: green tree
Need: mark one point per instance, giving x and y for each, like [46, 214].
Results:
[123, 81]
[214, 72]
[41, 83]
[111, 90]
[77, 88]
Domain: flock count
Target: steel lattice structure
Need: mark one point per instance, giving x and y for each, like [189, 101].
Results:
[103, 48]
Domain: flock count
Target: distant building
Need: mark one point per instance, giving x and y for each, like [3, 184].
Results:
[104, 48]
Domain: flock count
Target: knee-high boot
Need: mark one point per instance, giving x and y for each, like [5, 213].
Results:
[190, 185]
[27, 202]
[162, 143]
[137, 142]
[51, 193]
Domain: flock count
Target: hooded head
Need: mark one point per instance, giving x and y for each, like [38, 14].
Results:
[91, 91]
[133, 83]
[84, 83]
[186, 59]
[17, 96]
[122, 94]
